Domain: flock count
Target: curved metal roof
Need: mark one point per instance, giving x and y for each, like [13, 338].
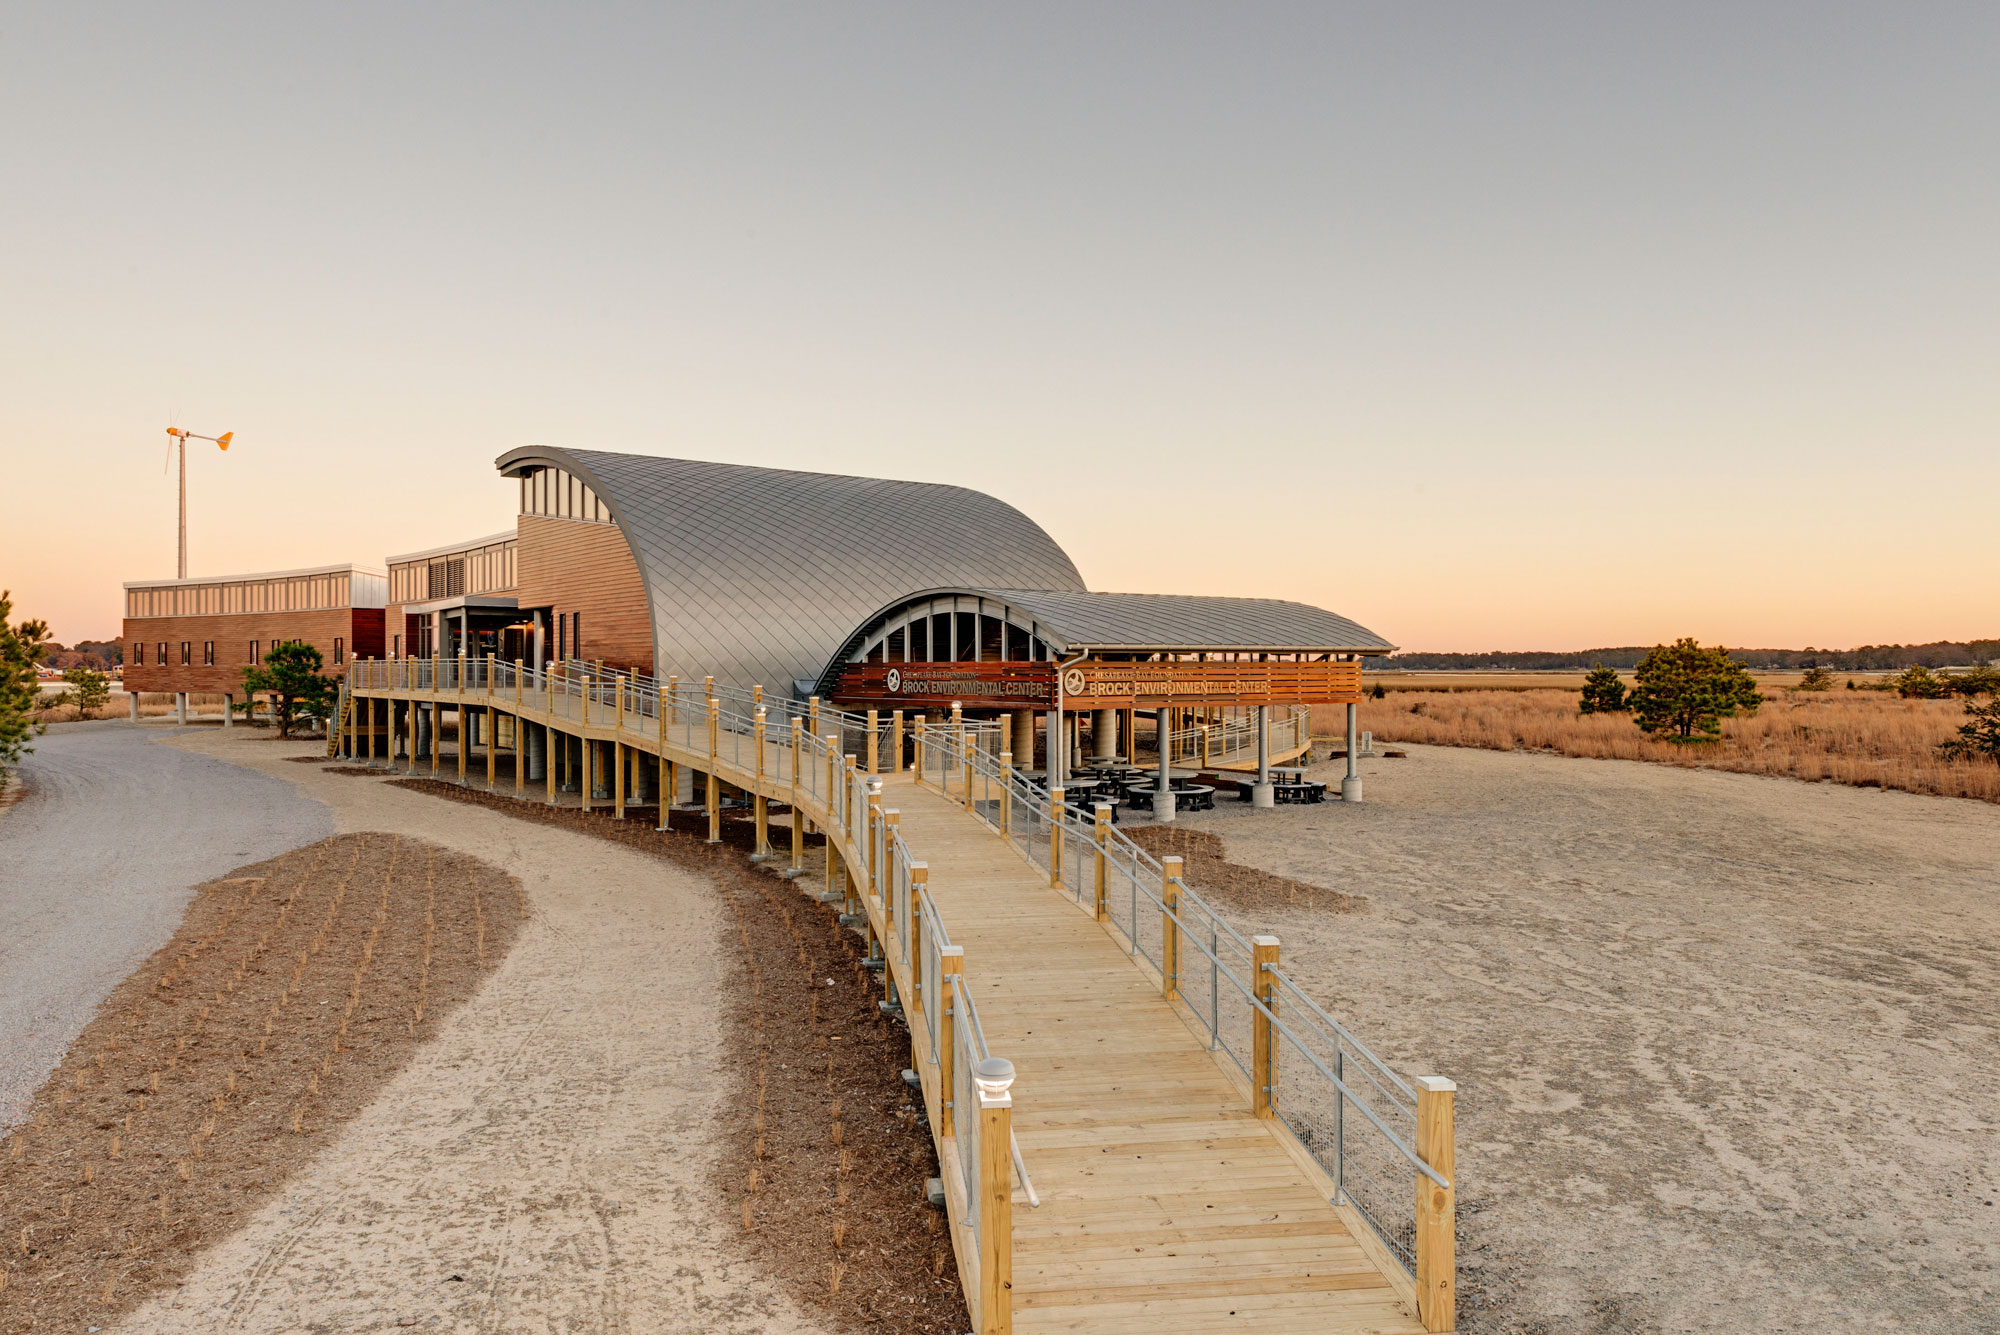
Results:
[1077, 621]
[758, 574]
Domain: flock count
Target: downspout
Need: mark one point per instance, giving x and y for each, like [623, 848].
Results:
[1058, 770]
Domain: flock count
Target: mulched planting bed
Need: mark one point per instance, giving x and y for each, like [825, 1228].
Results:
[826, 1150]
[1210, 871]
[291, 993]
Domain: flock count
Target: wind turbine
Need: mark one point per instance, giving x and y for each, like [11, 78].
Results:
[181, 438]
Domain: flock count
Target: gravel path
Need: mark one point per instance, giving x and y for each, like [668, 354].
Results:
[545, 1162]
[95, 868]
[1725, 1045]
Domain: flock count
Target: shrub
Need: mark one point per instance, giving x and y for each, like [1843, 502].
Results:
[1603, 692]
[1684, 689]
[89, 690]
[1817, 679]
[1978, 736]
[1919, 683]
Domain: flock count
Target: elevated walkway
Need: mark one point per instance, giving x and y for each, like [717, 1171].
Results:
[1164, 1136]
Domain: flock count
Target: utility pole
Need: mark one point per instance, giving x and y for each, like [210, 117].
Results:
[181, 438]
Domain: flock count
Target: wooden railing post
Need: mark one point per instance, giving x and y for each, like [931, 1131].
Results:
[672, 713]
[669, 780]
[891, 818]
[951, 964]
[895, 741]
[874, 743]
[993, 1078]
[1204, 745]
[798, 817]
[1100, 832]
[965, 744]
[1264, 1058]
[1056, 796]
[1436, 1246]
[913, 937]
[812, 715]
[618, 749]
[1006, 792]
[1170, 935]
[918, 747]
[760, 806]
[714, 784]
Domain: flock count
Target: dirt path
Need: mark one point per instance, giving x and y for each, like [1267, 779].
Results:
[1726, 1045]
[543, 1163]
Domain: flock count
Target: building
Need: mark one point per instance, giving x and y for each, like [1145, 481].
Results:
[456, 599]
[195, 636]
[854, 589]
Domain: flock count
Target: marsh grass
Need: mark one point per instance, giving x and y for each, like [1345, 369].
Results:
[1867, 739]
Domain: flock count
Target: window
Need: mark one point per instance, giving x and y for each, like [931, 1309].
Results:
[138, 653]
[255, 657]
[576, 634]
[397, 650]
[162, 660]
[562, 637]
[187, 653]
[339, 651]
[208, 653]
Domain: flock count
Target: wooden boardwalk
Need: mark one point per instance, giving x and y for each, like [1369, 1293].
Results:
[1166, 1205]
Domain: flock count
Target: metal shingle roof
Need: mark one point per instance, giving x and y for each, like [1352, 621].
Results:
[759, 574]
[1083, 620]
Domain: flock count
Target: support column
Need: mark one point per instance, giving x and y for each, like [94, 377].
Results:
[1350, 787]
[228, 699]
[1163, 789]
[1024, 737]
[132, 699]
[1052, 751]
[1104, 733]
[1261, 794]
[548, 764]
[181, 708]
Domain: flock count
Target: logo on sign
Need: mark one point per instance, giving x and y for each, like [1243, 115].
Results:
[1073, 682]
[895, 681]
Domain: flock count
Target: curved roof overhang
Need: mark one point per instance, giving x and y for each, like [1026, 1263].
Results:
[1072, 623]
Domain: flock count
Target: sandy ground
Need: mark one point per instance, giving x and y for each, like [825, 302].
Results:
[96, 866]
[542, 1163]
[1725, 1044]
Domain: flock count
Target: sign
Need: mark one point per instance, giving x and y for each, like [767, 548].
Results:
[1151, 685]
[1002, 686]
[936, 685]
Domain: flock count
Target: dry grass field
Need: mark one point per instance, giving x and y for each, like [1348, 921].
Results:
[1869, 739]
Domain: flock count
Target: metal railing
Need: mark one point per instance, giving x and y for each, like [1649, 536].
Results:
[1354, 1115]
[1228, 740]
[1342, 1103]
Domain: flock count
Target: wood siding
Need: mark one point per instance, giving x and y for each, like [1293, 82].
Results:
[358, 628]
[572, 567]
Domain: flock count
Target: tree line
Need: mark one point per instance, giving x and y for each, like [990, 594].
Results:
[1867, 658]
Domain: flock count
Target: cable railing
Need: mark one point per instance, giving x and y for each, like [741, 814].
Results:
[1207, 743]
[1353, 1114]
[1350, 1112]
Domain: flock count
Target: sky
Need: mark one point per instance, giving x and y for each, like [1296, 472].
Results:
[1492, 327]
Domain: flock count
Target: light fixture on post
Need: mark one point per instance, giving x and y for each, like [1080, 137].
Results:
[994, 1076]
[181, 438]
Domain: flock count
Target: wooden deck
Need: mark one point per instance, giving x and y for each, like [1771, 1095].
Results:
[1166, 1205]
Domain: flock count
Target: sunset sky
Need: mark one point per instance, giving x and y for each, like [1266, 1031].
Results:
[1501, 326]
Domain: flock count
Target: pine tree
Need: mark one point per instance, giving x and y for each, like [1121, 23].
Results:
[291, 673]
[1684, 689]
[1978, 736]
[1603, 691]
[20, 649]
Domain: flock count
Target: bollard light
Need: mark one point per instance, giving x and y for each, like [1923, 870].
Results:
[994, 1076]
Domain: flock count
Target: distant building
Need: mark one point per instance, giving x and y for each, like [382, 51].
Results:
[195, 636]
